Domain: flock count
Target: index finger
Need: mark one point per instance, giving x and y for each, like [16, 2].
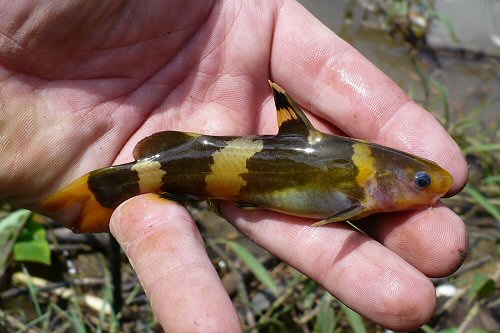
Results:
[329, 77]
[166, 250]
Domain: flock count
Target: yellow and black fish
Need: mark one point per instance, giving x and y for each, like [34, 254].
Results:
[300, 171]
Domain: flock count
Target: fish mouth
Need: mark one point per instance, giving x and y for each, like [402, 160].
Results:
[447, 182]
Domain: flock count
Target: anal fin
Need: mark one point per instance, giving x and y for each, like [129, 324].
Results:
[214, 207]
[245, 205]
[343, 215]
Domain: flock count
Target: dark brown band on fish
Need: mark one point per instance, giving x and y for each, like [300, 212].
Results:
[103, 184]
[187, 165]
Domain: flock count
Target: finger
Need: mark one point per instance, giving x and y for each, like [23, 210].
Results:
[167, 252]
[434, 240]
[362, 273]
[329, 77]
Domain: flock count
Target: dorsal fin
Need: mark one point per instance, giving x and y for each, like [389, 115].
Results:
[160, 142]
[291, 119]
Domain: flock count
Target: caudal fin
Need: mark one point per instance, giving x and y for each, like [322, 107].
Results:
[77, 208]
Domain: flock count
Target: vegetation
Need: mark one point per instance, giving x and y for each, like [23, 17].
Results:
[76, 294]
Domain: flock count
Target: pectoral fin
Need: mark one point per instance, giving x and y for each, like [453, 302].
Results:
[346, 214]
[182, 198]
[245, 205]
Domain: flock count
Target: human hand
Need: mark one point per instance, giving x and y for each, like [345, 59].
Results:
[84, 82]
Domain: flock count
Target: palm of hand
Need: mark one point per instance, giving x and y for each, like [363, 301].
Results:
[91, 91]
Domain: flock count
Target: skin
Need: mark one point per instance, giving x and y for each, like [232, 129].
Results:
[82, 82]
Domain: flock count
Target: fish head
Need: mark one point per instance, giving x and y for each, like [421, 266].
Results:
[403, 181]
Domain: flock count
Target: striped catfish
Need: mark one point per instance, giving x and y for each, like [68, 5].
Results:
[300, 171]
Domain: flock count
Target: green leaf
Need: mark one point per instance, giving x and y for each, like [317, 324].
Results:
[477, 330]
[354, 319]
[482, 287]
[448, 24]
[33, 290]
[427, 329]
[14, 219]
[32, 251]
[483, 201]
[326, 319]
[492, 179]
[445, 96]
[32, 244]
[482, 148]
[10, 228]
[449, 330]
[253, 264]
[396, 10]
[10, 224]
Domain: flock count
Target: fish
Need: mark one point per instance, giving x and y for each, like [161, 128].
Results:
[300, 171]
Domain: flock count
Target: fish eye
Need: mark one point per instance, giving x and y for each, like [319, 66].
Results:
[423, 180]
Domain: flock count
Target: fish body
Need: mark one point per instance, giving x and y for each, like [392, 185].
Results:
[300, 171]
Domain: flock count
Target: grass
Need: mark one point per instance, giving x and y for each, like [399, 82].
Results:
[269, 295]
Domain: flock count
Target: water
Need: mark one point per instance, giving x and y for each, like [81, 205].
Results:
[472, 76]
[475, 23]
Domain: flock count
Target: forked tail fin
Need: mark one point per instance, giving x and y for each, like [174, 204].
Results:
[78, 208]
